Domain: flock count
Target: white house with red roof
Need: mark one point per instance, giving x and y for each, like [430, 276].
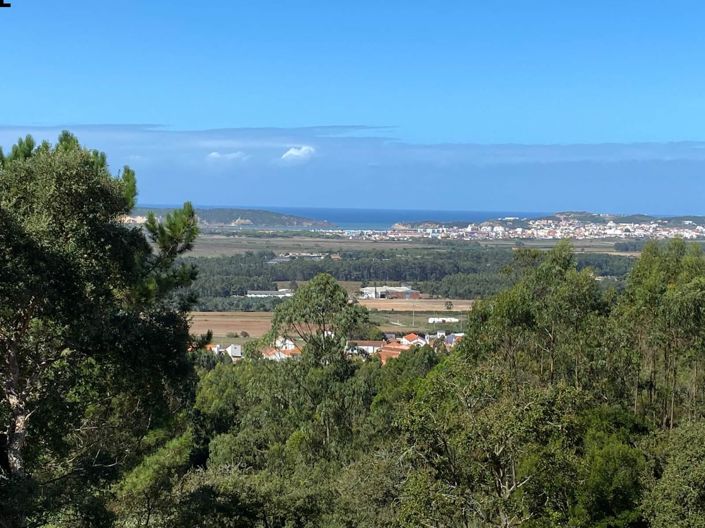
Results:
[412, 339]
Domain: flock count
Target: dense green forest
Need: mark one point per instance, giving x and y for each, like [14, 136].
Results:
[565, 404]
[469, 272]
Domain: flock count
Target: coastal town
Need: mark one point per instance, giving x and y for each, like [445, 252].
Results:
[569, 226]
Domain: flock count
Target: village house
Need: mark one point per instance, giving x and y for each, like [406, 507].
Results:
[368, 347]
[233, 351]
[453, 339]
[391, 351]
[413, 340]
[284, 348]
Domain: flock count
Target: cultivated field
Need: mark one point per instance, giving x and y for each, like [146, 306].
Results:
[392, 315]
[254, 323]
[404, 322]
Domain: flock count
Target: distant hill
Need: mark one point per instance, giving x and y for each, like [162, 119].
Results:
[228, 216]
[603, 218]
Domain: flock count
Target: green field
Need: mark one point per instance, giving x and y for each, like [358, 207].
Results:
[403, 322]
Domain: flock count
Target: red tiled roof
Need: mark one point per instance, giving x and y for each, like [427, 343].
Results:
[411, 337]
[391, 351]
[271, 351]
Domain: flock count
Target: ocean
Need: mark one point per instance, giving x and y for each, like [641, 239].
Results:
[381, 219]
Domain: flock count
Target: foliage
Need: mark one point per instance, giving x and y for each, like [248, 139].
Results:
[93, 329]
[465, 272]
[565, 404]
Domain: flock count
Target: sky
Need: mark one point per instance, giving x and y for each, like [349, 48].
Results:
[464, 105]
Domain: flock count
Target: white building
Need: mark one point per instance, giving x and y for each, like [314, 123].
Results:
[283, 343]
[413, 339]
[233, 351]
[274, 293]
[369, 347]
[384, 292]
[441, 320]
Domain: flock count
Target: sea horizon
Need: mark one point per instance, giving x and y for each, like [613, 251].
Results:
[373, 219]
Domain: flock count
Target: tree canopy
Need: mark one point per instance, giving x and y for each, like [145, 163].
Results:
[93, 329]
[566, 403]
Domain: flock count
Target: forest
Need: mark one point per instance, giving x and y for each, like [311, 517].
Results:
[470, 272]
[565, 404]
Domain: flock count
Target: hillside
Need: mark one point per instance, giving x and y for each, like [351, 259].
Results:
[229, 216]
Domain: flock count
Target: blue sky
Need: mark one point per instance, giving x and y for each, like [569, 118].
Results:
[447, 104]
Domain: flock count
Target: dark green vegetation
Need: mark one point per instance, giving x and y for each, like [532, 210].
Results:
[93, 332]
[242, 217]
[469, 272]
[566, 404]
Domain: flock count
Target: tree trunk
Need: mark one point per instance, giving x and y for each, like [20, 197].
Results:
[16, 431]
[19, 415]
[16, 437]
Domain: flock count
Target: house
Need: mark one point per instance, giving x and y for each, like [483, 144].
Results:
[284, 343]
[275, 354]
[413, 339]
[235, 352]
[284, 348]
[391, 351]
[369, 347]
[453, 339]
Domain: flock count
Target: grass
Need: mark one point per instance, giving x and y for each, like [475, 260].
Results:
[404, 322]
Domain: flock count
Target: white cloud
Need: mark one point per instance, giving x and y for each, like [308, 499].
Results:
[302, 153]
[227, 156]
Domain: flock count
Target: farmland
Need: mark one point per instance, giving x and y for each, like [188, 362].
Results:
[391, 315]
[256, 324]
[212, 245]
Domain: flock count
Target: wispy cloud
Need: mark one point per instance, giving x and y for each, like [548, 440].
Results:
[227, 156]
[298, 154]
[314, 165]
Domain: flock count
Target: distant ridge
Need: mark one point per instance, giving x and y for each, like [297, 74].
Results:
[232, 216]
